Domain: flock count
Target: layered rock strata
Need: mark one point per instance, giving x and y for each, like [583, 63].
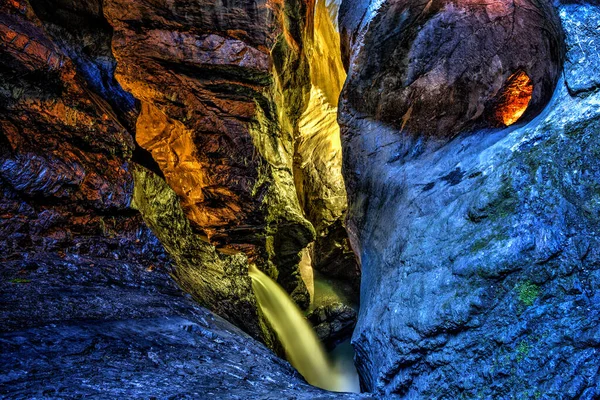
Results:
[65, 157]
[101, 97]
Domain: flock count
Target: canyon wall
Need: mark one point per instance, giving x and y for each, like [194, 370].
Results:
[188, 118]
[65, 154]
[147, 141]
[477, 235]
[146, 148]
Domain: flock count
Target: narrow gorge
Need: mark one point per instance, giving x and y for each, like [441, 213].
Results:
[303, 199]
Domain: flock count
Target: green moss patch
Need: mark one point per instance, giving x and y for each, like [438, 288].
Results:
[522, 351]
[20, 280]
[528, 292]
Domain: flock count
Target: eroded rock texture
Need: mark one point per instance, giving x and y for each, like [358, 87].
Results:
[87, 302]
[333, 323]
[242, 126]
[215, 280]
[479, 253]
[82, 326]
[101, 100]
[65, 158]
[202, 72]
[441, 67]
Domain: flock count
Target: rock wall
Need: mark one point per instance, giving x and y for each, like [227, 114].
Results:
[68, 158]
[318, 150]
[225, 93]
[480, 269]
[91, 234]
[202, 72]
[79, 325]
[99, 97]
[65, 156]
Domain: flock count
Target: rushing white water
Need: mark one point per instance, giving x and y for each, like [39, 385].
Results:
[303, 348]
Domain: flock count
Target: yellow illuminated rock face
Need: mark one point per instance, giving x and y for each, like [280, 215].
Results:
[318, 154]
[326, 70]
[318, 149]
[515, 98]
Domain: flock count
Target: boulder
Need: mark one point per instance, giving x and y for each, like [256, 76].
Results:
[333, 322]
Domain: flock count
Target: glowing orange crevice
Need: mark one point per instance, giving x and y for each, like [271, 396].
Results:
[514, 98]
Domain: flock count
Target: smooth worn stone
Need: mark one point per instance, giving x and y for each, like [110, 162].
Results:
[442, 67]
[479, 253]
[78, 327]
[333, 322]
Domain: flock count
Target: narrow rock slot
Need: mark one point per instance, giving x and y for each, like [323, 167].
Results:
[255, 161]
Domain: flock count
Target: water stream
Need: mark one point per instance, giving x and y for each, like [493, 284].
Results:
[302, 346]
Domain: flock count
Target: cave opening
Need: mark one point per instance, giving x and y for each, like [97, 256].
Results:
[514, 98]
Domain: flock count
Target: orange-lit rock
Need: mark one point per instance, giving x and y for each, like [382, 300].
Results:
[193, 121]
[172, 146]
[514, 98]
[211, 120]
[65, 158]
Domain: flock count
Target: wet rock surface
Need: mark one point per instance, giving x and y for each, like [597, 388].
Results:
[215, 280]
[333, 323]
[479, 253]
[318, 152]
[334, 256]
[75, 327]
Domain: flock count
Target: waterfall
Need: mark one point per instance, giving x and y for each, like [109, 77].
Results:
[302, 346]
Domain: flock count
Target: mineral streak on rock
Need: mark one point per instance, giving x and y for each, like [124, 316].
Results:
[479, 247]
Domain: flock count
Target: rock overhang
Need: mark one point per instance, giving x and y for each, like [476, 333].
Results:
[440, 68]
